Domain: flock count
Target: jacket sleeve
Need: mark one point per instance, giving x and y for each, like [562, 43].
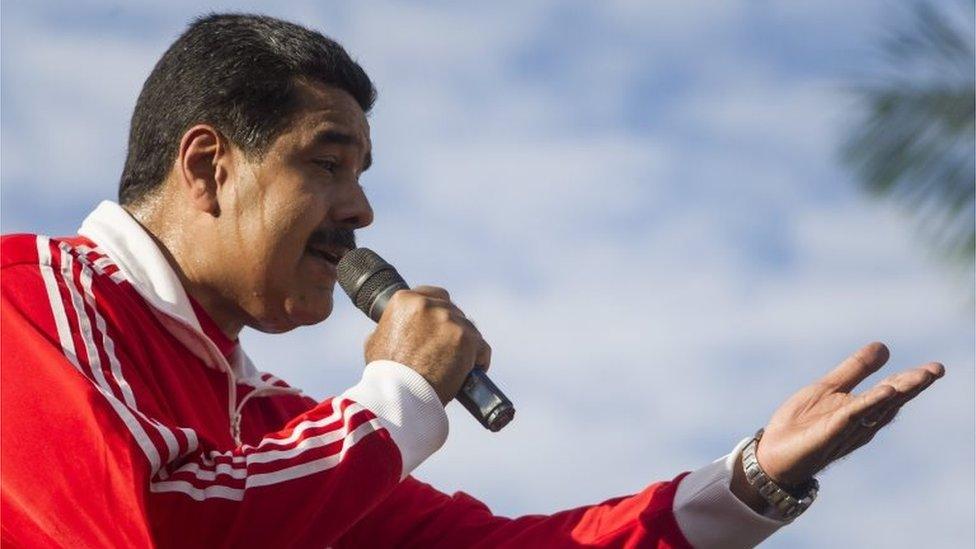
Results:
[302, 486]
[91, 466]
[417, 515]
[694, 509]
[71, 476]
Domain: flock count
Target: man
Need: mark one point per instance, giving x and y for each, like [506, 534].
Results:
[131, 416]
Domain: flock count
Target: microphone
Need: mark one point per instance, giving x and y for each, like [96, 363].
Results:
[370, 282]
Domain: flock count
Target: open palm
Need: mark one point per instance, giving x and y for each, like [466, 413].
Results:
[826, 420]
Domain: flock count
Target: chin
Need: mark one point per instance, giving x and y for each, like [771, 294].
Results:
[291, 316]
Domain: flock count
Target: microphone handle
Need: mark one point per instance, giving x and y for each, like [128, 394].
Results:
[478, 394]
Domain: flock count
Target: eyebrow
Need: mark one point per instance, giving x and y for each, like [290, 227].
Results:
[336, 137]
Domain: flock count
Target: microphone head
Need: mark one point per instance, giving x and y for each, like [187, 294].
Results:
[365, 276]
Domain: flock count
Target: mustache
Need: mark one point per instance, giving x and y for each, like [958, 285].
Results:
[339, 237]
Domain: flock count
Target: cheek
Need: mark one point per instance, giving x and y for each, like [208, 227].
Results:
[280, 232]
[296, 278]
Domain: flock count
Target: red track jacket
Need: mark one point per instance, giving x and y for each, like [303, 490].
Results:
[130, 420]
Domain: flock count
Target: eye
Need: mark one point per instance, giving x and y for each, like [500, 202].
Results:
[328, 164]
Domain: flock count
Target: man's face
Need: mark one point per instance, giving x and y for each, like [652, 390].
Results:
[290, 216]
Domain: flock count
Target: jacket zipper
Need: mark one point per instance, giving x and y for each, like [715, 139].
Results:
[233, 407]
[237, 418]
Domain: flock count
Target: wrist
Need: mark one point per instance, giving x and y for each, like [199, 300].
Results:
[745, 492]
[784, 503]
[792, 479]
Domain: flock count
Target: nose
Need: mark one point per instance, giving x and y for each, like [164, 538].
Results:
[355, 211]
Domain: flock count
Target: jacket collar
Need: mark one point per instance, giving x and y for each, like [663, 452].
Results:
[138, 257]
[135, 253]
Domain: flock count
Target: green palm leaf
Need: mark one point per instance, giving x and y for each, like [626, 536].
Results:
[915, 143]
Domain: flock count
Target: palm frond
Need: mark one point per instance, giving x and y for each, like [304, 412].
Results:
[916, 143]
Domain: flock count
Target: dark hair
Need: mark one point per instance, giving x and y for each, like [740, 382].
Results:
[237, 72]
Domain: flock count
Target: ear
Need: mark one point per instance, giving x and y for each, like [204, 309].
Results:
[202, 165]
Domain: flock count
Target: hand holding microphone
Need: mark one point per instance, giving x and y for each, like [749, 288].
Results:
[423, 330]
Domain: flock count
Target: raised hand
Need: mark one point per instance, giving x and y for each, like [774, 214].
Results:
[826, 420]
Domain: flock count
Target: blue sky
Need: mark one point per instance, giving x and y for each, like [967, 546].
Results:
[639, 203]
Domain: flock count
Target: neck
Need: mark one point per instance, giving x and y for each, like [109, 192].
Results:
[176, 238]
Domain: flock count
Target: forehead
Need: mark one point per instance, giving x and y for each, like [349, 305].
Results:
[321, 107]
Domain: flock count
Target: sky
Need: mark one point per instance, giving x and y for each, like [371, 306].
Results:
[639, 203]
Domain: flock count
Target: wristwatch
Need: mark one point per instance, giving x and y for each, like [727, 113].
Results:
[786, 503]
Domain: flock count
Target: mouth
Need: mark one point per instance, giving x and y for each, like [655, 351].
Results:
[330, 255]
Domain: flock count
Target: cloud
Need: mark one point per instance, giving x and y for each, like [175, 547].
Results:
[639, 206]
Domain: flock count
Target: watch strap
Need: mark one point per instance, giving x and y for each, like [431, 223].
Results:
[788, 504]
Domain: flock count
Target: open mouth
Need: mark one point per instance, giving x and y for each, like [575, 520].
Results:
[331, 256]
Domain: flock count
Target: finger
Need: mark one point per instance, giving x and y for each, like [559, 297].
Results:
[483, 359]
[857, 367]
[859, 434]
[853, 443]
[435, 292]
[912, 382]
[850, 424]
[416, 301]
[937, 368]
[862, 405]
[458, 316]
[883, 418]
[908, 385]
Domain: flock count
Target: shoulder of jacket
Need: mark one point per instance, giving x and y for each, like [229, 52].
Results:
[25, 254]
[18, 249]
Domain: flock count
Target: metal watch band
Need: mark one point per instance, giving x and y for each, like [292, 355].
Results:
[787, 505]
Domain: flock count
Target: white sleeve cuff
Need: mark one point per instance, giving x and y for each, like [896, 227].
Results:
[710, 515]
[407, 406]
